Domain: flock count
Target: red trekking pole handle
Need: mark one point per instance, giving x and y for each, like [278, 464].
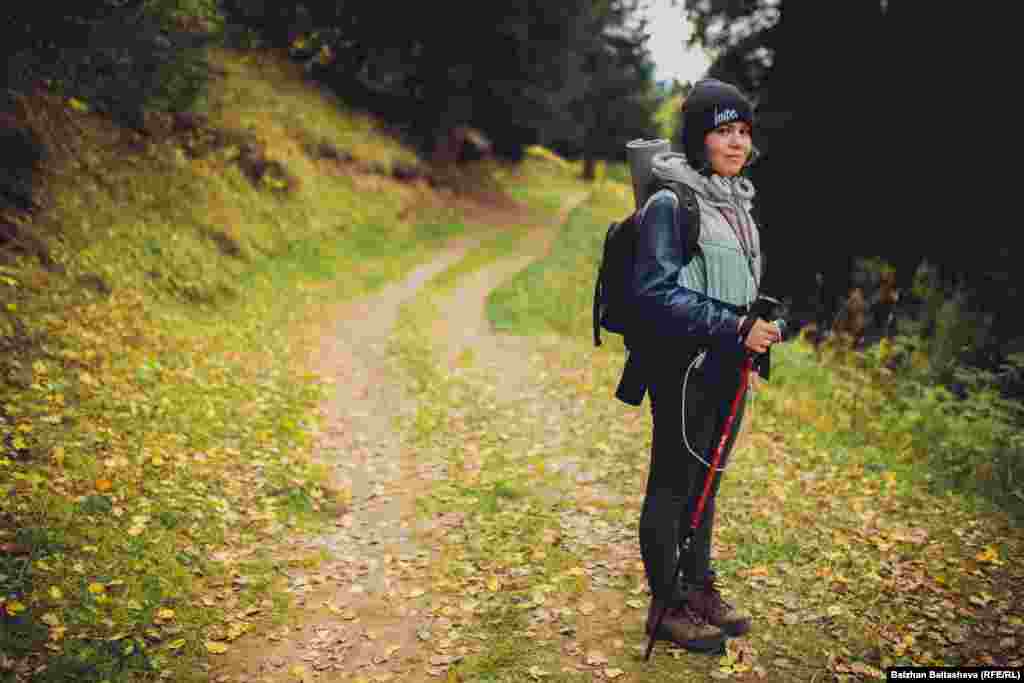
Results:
[748, 364]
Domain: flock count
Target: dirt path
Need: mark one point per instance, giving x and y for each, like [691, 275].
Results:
[358, 618]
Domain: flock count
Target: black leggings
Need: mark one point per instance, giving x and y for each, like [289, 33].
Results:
[676, 478]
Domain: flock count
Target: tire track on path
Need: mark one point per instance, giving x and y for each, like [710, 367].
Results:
[359, 617]
[352, 618]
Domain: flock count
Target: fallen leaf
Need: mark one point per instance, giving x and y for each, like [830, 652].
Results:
[215, 648]
[14, 607]
[613, 673]
[989, 555]
[595, 658]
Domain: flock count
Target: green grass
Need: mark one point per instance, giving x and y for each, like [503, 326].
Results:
[556, 294]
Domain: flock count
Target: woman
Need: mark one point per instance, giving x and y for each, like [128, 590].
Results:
[685, 305]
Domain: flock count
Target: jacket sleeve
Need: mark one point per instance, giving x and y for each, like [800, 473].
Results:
[665, 307]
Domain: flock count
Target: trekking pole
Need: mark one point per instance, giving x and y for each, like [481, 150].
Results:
[684, 546]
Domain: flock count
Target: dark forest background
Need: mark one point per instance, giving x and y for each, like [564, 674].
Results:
[832, 83]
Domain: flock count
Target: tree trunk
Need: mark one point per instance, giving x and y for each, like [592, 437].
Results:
[589, 164]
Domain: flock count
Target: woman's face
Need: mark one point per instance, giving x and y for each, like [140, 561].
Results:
[729, 147]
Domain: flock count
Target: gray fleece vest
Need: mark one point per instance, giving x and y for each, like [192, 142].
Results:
[720, 270]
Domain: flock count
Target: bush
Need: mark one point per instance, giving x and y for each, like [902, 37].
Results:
[129, 60]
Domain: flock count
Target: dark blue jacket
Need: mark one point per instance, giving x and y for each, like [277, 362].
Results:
[671, 319]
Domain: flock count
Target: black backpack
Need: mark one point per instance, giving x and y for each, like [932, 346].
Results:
[612, 295]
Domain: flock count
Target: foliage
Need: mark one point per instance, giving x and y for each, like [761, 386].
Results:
[617, 97]
[125, 60]
[519, 71]
[668, 117]
[157, 408]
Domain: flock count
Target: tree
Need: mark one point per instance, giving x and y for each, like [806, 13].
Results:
[505, 68]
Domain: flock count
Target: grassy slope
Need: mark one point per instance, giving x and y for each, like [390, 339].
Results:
[157, 438]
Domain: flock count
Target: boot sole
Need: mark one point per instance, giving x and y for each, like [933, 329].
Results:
[735, 630]
[712, 644]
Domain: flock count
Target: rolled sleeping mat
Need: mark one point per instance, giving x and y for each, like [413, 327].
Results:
[640, 152]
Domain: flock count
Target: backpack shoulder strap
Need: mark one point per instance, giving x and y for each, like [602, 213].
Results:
[688, 204]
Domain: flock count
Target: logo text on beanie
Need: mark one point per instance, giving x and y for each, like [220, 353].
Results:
[725, 116]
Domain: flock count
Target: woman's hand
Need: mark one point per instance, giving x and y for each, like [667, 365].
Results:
[762, 335]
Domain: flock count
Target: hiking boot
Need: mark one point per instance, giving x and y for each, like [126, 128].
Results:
[706, 600]
[684, 627]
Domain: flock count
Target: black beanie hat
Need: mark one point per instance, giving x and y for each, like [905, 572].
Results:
[710, 103]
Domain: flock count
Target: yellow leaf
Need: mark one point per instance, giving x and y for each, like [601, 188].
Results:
[493, 584]
[96, 588]
[58, 455]
[57, 632]
[235, 630]
[50, 619]
[176, 644]
[19, 443]
[56, 593]
[164, 614]
[989, 555]
[78, 105]
[13, 308]
[15, 608]
[216, 648]
[537, 672]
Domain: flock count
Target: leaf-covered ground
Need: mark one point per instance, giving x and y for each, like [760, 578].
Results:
[527, 490]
